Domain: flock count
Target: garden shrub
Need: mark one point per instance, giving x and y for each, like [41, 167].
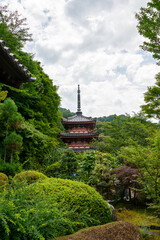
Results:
[10, 169]
[3, 179]
[24, 216]
[49, 209]
[29, 176]
[73, 194]
[51, 169]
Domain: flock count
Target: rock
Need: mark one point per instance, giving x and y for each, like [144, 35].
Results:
[113, 212]
[111, 231]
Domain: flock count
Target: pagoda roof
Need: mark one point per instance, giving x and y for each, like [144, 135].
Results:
[12, 66]
[75, 135]
[78, 118]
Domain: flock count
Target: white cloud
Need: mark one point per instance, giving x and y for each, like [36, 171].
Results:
[94, 43]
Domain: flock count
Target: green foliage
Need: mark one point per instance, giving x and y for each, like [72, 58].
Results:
[3, 179]
[152, 99]
[50, 209]
[8, 109]
[36, 146]
[38, 102]
[148, 26]
[68, 164]
[13, 28]
[52, 169]
[3, 95]
[66, 112]
[10, 39]
[109, 118]
[29, 176]
[87, 163]
[10, 169]
[147, 159]
[10, 121]
[73, 194]
[62, 163]
[123, 132]
[138, 216]
[13, 142]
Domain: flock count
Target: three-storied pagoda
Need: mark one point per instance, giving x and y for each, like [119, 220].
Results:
[80, 129]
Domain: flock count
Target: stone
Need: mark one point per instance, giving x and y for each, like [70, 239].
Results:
[113, 212]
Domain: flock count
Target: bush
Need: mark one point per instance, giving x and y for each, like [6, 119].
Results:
[3, 179]
[27, 217]
[51, 169]
[29, 176]
[48, 209]
[10, 169]
[73, 194]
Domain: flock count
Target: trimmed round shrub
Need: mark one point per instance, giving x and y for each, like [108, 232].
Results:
[29, 176]
[49, 209]
[78, 196]
[3, 179]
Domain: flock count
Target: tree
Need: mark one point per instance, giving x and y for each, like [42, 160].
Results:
[13, 142]
[10, 121]
[123, 132]
[147, 160]
[152, 99]
[149, 26]
[14, 26]
[38, 102]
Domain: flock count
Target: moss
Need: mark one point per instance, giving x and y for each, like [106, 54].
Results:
[3, 179]
[139, 217]
[29, 176]
[110, 231]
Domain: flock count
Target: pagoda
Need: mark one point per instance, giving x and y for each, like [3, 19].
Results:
[79, 128]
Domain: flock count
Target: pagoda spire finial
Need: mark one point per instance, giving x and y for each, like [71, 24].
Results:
[78, 101]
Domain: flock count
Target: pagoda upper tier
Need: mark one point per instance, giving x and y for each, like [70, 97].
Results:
[77, 121]
[79, 127]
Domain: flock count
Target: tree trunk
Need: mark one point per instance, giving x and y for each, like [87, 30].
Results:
[11, 157]
[5, 154]
[130, 197]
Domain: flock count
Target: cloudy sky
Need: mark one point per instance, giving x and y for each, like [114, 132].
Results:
[93, 43]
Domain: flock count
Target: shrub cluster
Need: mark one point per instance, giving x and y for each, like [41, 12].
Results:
[48, 209]
[29, 176]
[3, 179]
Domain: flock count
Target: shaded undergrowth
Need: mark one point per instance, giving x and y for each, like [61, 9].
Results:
[139, 217]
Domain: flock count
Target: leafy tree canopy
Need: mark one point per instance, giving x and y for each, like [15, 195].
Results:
[152, 99]
[123, 132]
[38, 102]
[66, 112]
[149, 26]
[13, 28]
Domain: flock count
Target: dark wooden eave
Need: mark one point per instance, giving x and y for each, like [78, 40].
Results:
[12, 72]
[79, 135]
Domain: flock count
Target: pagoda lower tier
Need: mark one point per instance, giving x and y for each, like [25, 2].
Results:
[79, 141]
